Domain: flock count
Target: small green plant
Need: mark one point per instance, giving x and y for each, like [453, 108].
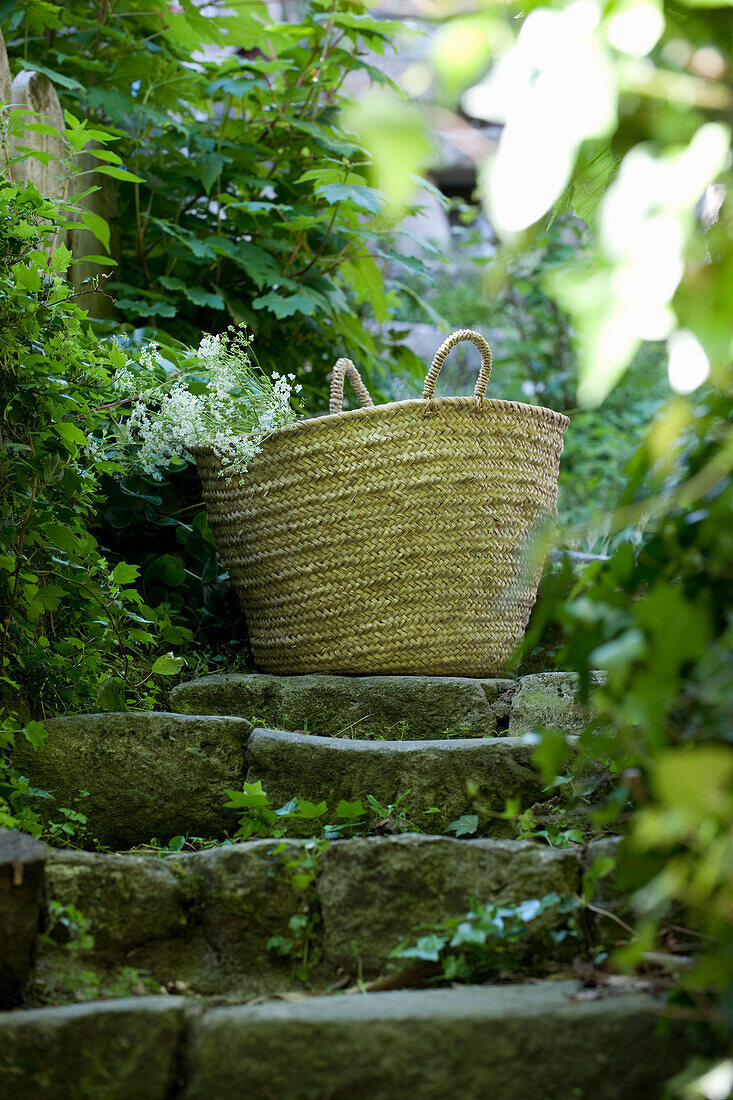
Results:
[259, 818]
[301, 941]
[492, 940]
[67, 926]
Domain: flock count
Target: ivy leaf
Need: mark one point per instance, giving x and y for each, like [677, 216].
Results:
[309, 810]
[350, 810]
[427, 949]
[251, 797]
[466, 825]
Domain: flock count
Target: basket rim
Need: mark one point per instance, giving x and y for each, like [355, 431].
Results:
[488, 404]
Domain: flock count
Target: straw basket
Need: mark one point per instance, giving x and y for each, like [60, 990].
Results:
[391, 539]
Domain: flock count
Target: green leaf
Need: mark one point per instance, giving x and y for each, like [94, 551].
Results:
[118, 173]
[55, 77]
[466, 825]
[251, 797]
[427, 949]
[105, 154]
[600, 868]
[168, 665]
[350, 810]
[366, 198]
[96, 225]
[308, 810]
[105, 261]
[70, 433]
[125, 573]
[111, 694]
[286, 307]
[36, 733]
[201, 297]
[210, 166]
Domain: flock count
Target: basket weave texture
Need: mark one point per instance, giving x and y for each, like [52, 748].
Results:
[391, 539]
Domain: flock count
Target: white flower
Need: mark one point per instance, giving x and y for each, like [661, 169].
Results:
[237, 409]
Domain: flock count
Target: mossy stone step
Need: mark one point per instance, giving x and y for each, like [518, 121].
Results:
[387, 707]
[125, 1049]
[205, 918]
[442, 779]
[160, 775]
[147, 774]
[504, 1042]
[546, 1041]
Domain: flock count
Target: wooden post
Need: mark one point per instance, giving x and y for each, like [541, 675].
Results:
[35, 92]
[4, 72]
[22, 911]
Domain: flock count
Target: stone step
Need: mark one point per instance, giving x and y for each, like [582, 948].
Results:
[390, 707]
[205, 918]
[150, 774]
[441, 779]
[160, 775]
[548, 1041]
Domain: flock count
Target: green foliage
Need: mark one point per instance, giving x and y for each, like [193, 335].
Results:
[70, 614]
[300, 942]
[492, 940]
[75, 631]
[657, 617]
[243, 197]
[259, 818]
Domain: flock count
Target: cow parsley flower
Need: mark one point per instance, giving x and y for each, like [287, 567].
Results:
[220, 401]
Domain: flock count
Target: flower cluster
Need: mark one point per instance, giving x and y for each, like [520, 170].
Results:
[221, 401]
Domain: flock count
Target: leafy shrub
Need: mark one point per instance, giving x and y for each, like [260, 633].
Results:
[251, 203]
[657, 617]
[75, 632]
[492, 940]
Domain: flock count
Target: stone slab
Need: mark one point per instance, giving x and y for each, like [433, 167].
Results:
[111, 1050]
[148, 774]
[205, 918]
[201, 918]
[375, 891]
[549, 700]
[388, 707]
[504, 1042]
[436, 773]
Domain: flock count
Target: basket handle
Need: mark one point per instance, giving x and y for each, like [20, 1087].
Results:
[441, 355]
[346, 367]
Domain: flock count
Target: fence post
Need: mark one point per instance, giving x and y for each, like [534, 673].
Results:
[33, 91]
[4, 72]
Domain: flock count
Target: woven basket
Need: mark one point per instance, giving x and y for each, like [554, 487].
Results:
[391, 539]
